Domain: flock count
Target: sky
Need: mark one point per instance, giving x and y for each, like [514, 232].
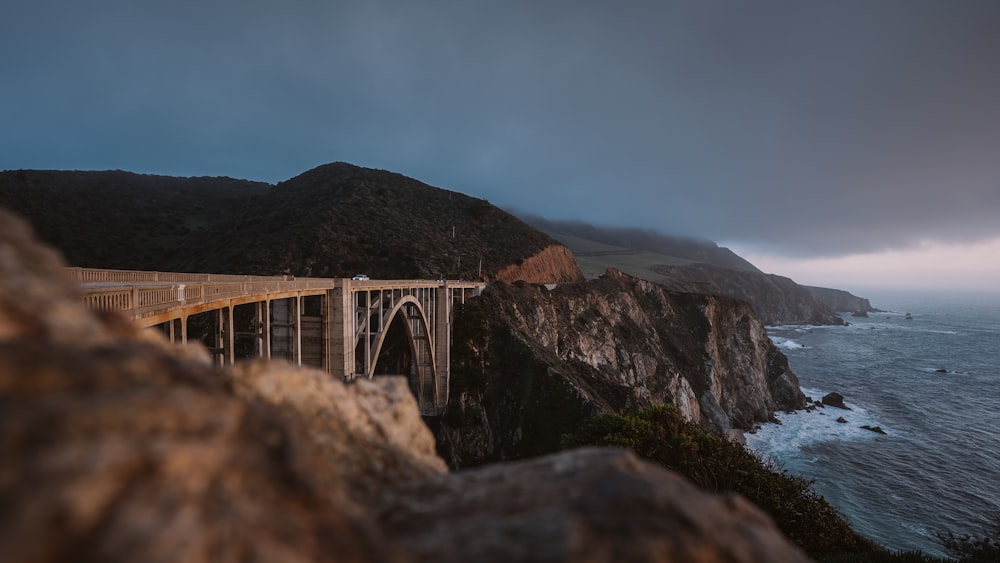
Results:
[827, 141]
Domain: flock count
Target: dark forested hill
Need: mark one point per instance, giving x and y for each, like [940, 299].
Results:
[339, 220]
[117, 219]
[334, 220]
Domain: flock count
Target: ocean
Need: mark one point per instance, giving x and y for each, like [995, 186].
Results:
[932, 383]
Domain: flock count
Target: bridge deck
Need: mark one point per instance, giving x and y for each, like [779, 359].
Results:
[151, 298]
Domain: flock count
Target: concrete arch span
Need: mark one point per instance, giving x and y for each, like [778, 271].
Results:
[417, 332]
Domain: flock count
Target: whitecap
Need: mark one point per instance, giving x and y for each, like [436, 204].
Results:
[787, 343]
[804, 428]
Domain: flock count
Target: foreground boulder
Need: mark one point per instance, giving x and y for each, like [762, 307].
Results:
[582, 505]
[117, 446]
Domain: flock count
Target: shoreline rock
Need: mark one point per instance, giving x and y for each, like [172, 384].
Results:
[835, 400]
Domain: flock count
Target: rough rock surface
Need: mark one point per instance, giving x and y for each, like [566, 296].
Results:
[113, 447]
[835, 400]
[554, 264]
[547, 359]
[369, 430]
[583, 505]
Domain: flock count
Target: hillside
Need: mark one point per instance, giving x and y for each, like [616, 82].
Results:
[123, 220]
[333, 221]
[634, 251]
[339, 220]
[688, 265]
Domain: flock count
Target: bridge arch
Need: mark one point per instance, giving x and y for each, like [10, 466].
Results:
[419, 335]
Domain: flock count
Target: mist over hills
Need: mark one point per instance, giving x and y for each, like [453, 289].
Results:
[626, 241]
[698, 266]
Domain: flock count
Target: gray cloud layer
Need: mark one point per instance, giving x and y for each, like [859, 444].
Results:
[809, 128]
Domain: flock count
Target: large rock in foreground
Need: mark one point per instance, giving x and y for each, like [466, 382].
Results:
[581, 505]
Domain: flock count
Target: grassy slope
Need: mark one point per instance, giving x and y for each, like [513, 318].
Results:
[596, 257]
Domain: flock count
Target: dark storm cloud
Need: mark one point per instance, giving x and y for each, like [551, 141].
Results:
[802, 127]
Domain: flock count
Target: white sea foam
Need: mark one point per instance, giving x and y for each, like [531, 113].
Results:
[804, 428]
[786, 343]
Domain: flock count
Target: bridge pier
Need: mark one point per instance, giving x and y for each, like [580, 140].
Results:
[442, 347]
[339, 335]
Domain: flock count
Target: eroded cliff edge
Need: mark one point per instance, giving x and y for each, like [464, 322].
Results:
[529, 364]
[553, 264]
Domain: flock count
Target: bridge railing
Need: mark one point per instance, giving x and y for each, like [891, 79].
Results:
[93, 275]
[109, 299]
[143, 294]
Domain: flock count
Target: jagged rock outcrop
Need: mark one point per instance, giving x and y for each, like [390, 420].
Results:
[115, 447]
[842, 301]
[544, 360]
[776, 299]
[554, 264]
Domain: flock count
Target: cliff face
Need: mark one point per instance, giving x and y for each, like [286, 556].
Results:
[554, 264]
[534, 363]
[776, 299]
[840, 300]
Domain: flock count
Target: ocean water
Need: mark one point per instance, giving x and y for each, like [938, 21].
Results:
[937, 468]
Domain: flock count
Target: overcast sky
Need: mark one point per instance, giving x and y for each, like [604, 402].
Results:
[790, 130]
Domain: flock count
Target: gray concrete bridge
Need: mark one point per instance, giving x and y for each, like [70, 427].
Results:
[350, 328]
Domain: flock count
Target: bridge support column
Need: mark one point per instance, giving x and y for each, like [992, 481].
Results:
[442, 347]
[184, 329]
[265, 344]
[225, 336]
[340, 330]
[298, 330]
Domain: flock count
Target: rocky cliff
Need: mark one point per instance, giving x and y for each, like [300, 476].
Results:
[776, 299]
[842, 301]
[531, 363]
[116, 446]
